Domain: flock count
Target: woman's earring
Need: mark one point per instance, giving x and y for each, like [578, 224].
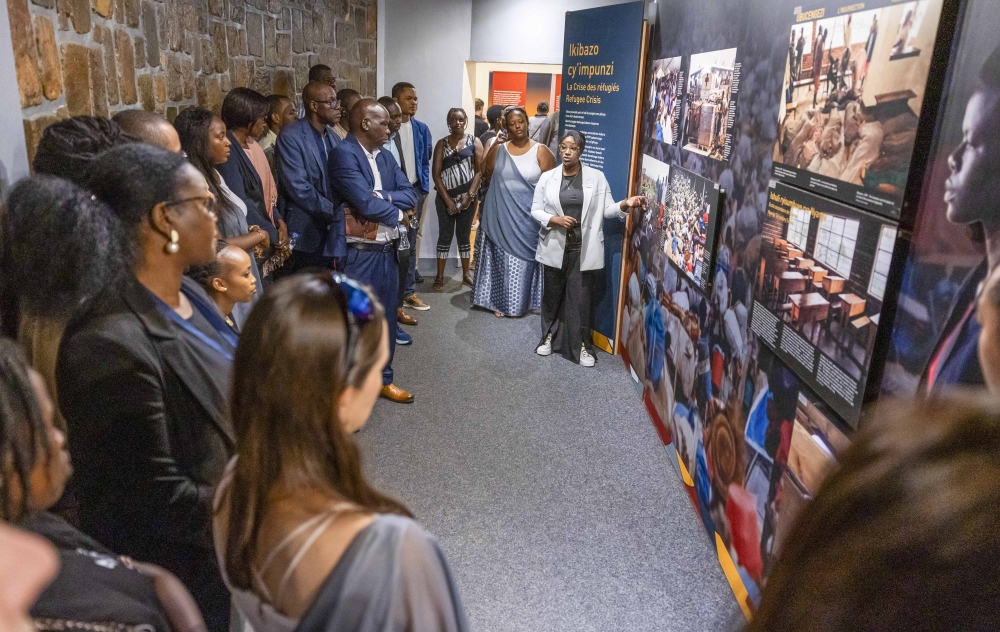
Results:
[172, 248]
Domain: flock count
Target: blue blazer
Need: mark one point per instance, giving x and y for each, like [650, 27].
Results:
[423, 147]
[304, 201]
[352, 180]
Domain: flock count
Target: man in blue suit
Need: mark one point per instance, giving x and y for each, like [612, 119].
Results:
[315, 224]
[417, 146]
[368, 184]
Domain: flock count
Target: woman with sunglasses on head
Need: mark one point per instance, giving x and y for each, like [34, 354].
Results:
[143, 372]
[304, 542]
[203, 137]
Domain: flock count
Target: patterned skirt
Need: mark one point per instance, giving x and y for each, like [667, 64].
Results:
[505, 283]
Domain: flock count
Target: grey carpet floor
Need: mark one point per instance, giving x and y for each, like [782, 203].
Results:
[544, 482]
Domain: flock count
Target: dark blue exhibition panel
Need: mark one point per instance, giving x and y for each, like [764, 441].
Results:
[600, 79]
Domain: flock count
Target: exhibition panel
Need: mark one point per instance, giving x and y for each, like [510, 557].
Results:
[783, 151]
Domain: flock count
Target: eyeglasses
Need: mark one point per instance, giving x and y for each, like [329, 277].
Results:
[359, 309]
[209, 200]
[332, 102]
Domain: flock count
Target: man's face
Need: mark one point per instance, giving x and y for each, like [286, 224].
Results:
[284, 116]
[973, 188]
[395, 118]
[375, 126]
[326, 106]
[326, 76]
[407, 101]
[346, 105]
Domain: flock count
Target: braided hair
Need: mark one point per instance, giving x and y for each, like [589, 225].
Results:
[22, 431]
[68, 148]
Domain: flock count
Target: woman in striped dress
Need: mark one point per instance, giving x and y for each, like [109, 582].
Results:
[456, 172]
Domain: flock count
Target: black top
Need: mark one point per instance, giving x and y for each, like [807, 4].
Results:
[481, 126]
[571, 200]
[93, 585]
[150, 435]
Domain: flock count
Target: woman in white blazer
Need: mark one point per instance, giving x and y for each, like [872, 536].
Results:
[571, 204]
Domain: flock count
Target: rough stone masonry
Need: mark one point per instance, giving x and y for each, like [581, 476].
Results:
[98, 57]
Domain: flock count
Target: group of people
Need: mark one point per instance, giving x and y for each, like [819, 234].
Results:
[129, 264]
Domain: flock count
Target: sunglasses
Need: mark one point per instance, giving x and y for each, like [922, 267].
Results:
[359, 309]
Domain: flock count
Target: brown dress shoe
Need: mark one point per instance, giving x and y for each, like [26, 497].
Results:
[404, 318]
[395, 394]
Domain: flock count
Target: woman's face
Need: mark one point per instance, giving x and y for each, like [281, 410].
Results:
[457, 123]
[973, 189]
[49, 476]
[570, 152]
[356, 403]
[989, 334]
[517, 126]
[194, 219]
[258, 128]
[237, 274]
[218, 144]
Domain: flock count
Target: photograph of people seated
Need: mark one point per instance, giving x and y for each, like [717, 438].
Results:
[824, 274]
[663, 115]
[706, 103]
[854, 86]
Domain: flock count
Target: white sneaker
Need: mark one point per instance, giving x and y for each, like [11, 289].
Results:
[585, 358]
[545, 349]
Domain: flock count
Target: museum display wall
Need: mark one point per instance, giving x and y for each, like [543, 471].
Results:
[801, 254]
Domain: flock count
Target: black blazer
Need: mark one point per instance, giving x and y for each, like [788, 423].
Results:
[149, 437]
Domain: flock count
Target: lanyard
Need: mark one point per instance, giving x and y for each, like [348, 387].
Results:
[186, 325]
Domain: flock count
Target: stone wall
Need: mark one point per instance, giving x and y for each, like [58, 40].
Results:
[101, 56]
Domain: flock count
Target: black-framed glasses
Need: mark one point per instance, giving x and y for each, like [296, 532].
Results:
[332, 102]
[211, 203]
[359, 309]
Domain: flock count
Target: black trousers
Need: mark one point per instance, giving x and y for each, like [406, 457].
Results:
[450, 225]
[566, 307]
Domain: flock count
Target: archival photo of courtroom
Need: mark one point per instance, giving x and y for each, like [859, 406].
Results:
[853, 92]
[823, 277]
[707, 102]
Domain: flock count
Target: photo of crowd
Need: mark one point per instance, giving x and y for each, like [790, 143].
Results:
[663, 113]
[707, 102]
[853, 91]
[690, 220]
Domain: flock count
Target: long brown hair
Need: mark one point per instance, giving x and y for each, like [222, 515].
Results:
[288, 374]
[906, 534]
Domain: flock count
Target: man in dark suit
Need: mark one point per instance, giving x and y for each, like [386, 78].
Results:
[367, 182]
[415, 139]
[315, 224]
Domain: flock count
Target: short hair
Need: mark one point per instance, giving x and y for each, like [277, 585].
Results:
[59, 245]
[203, 274]
[494, 113]
[242, 107]
[918, 488]
[577, 137]
[274, 102]
[387, 102]
[22, 429]
[344, 93]
[480, 104]
[399, 87]
[68, 148]
[142, 126]
[543, 107]
[317, 70]
[131, 180]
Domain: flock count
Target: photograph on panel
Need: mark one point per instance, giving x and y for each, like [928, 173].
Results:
[664, 106]
[707, 102]
[690, 220]
[853, 92]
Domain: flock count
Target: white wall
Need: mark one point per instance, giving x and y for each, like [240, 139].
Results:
[13, 153]
[523, 31]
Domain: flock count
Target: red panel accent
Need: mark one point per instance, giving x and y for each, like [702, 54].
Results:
[665, 435]
[508, 88]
